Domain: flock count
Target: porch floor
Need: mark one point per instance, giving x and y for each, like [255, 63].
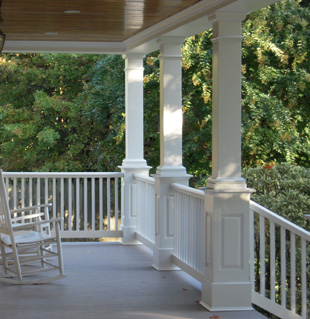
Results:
[110, 281]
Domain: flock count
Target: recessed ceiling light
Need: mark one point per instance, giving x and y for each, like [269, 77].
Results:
[51, 33]
[72, 11]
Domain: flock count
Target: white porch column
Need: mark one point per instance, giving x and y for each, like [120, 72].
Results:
[171, 169]
[134, 163]
[227, 277]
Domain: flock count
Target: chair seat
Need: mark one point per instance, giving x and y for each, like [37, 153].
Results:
[27, 238]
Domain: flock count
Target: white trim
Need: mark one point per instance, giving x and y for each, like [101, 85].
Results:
[64, 47]
[273, 307]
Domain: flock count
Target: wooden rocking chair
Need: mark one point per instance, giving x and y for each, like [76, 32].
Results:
[26, 243]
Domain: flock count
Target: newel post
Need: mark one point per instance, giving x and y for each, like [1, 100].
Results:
[171, 169]
[134, 163]
[227, 276]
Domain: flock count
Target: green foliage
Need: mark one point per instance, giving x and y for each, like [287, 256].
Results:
[78, 101]
[197, 106]
[102, 105]
[282, 188]
[276, 85]
[57, 111]
[151, 110]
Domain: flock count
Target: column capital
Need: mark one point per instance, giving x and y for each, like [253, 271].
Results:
[227, 16]
[170, 47]
[170, 40]
[134, 55]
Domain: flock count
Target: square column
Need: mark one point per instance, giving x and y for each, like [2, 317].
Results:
[226, 101]
[226, 284]
[171, 169]
[171, 116]
[134, 163]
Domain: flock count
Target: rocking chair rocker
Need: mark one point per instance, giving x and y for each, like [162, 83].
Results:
[26, 243]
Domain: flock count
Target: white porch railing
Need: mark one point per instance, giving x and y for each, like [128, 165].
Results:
[89, 203]
[280, 265]
[279, 254]
[145, 205]
[189, 230]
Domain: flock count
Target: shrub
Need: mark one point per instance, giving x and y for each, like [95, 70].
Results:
[285, 190]
[282, 188]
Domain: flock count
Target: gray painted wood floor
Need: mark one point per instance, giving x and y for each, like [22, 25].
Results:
[110, 281]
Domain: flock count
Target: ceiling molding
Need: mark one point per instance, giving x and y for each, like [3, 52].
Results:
[64, 47]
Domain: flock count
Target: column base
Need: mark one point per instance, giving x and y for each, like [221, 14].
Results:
[226, 296]
[171, 171]
[129, 236]
[134, 164]
[162, 259]
[226, 183]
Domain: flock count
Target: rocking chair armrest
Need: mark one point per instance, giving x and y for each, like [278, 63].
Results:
[25, 217]
[34, 224]
[28, 208]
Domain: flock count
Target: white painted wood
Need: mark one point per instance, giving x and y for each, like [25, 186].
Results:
[293, 271]
[304, 279]
[30, 192]
[134, 107]
[100, 204]
[262, 255]
[38, 193]
[109, 202]
[54, 197]
[62, 202]
[252, 249]
[189, 240]
[23, 192]
[70, 204]
[25, 246]
[226, 101]
[282, 230]
[69, 195]
[146, 207]
[116, 199]
[85, 204]
[93, 208]
[77, 202]
[283, 267]
[15, 193]
[273, 307]
[171, 121]
[171, 169]
[272, 261]
[226, 284]
[134, 163]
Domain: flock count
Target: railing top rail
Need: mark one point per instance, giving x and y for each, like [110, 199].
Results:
[62, 174]
[188, 190]
[144, 178]
[280, 220]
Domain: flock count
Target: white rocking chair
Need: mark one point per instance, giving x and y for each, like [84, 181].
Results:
[26, 243]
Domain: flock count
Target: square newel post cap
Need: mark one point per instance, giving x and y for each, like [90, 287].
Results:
[232, 185]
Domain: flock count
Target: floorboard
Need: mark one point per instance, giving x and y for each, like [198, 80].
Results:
[110, 281]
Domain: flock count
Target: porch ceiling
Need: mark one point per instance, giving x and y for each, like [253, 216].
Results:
[111, 26]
